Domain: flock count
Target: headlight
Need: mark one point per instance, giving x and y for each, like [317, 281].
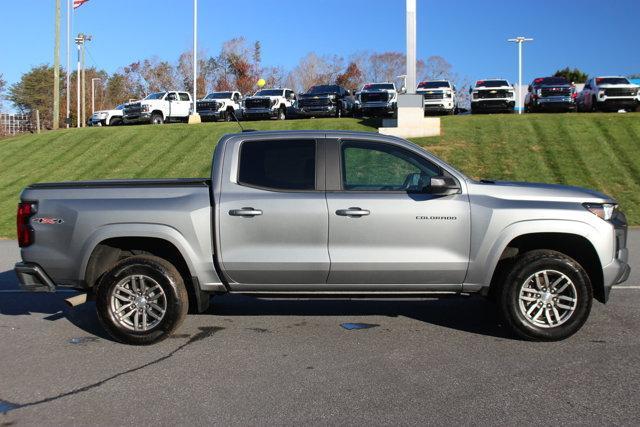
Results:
[601, 210]
[447, 94]
[475, 95]
[601, 94]
[509, 94]
[145, 107]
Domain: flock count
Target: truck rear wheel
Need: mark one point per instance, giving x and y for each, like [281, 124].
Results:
[141, 300]
[546, 296]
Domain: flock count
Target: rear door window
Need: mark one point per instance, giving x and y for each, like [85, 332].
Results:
[278, 165]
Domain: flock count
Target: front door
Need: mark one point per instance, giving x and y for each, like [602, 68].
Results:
[385, 229]
[273, 215]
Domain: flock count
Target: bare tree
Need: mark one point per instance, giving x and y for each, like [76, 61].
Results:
[314, 70]
[3, 84]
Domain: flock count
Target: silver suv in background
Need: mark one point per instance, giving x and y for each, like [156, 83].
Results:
[492, 96]
[439, 96]
[608, 94]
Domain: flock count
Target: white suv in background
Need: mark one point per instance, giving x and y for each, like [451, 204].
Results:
[439, 96]
[609, 93]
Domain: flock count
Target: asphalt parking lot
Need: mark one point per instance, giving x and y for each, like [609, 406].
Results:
[285, 362]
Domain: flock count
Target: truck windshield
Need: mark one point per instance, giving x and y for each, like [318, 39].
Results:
[551, 81]
[612, 81]
[433, 85]
[218, 95]
[269, 92]
[157, 95]
[378, 86]
[323, 89]
[491, 83]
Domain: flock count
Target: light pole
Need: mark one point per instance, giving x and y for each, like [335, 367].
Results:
[520, 40]
[194, 117]
[79, 41]
[93, 94]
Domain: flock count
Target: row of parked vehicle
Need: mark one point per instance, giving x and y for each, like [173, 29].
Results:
[375, 100]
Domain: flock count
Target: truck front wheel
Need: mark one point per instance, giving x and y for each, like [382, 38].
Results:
[141, 300]
[282, 113]
[157, 119]
[546, 296]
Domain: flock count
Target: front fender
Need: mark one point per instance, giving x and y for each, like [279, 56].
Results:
[483, 263]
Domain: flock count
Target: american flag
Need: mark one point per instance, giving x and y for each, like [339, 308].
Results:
[78, 3]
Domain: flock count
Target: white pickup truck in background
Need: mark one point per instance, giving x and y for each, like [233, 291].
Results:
[269, 103]
[158, 108]
[220, 106]
[439, 96]
[107, 117]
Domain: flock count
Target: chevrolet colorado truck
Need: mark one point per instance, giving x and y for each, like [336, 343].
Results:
[550, 94]
[608, 94]
[269, 103]
[495, 96]
[325, 100]
[320, 213]
[158, 108]
[378, 99]
[439, 96]
[220, 106]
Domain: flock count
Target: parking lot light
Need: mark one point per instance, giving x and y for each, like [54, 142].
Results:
[520, 40]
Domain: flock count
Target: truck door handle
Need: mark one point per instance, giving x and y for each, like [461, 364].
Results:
[248, 212]
[353, 212]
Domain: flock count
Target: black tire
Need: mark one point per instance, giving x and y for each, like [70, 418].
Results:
[115, 121]
[282, 113]
[594, 105]
[228, 115]
[157, 119]
[338, 111]
[154, 269]
[509, 302]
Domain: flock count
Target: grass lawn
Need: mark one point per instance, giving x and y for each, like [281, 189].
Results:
[600, 151]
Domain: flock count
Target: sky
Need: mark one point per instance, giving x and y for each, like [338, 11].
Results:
[599, 37]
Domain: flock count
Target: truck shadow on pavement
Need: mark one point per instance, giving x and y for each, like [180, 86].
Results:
[467, 314]
[472, 314]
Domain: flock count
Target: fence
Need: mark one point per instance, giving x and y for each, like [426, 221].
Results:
[11, 124]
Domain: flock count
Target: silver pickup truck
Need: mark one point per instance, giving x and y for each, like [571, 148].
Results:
[322, 213]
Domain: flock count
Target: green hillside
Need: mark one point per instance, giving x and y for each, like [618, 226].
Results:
[600, 151]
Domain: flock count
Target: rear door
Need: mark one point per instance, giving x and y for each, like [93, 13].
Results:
[183, 105]
[273, 221]
[385, 232]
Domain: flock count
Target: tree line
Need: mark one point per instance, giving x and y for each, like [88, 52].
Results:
[238, 65]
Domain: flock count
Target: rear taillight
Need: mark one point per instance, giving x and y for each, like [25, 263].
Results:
[25, 233]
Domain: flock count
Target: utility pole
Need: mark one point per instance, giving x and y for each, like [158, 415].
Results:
[56, 70]
[68, 116]
[520, 40]
[80, 39]
[93, 94]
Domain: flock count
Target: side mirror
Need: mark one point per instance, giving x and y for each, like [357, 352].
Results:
[529, 88]
[470, 90]
[443, 185]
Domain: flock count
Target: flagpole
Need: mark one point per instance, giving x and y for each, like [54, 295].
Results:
[68, 62]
